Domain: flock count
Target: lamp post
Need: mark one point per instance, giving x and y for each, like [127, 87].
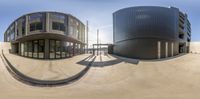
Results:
[87, 30]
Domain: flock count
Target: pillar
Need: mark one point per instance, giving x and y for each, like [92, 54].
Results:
[46, 49]
[47, 22]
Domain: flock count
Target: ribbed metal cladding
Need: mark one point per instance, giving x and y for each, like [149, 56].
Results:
[137, 31]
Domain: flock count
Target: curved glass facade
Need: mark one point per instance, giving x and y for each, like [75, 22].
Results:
[46, 35]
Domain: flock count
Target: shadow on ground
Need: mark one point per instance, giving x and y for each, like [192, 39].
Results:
[102, 63]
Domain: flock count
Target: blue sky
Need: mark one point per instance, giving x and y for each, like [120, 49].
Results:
[98, 12]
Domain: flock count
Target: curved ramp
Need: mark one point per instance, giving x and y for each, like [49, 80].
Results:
[37, 82]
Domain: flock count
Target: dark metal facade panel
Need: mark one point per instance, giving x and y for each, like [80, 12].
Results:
[137, 31]
[145, 22]
[144, 48]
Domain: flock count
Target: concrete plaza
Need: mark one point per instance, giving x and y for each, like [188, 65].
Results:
[47, 69]
[113, 77]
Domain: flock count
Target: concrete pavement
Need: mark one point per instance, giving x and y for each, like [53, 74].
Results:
[176, 78]
[47, 69]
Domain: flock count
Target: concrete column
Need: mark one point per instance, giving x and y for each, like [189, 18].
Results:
[87, 30]
[166, 49]
[172, 48]
[159, 49]
[46, 49]
[47, 22]
[26, 23]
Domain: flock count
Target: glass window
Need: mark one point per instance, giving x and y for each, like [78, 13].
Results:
[23, 30]
[71, 31]
[39, 26]
[52, 49]
[36, 26]
[23, 26]
[41, 49]
[58, 26]
[33, 49]
[71, 49]
[21, 23]
[30, 49]
[57, 16]
[35, 16]
[73, 28]
[32, 27]
[67, 49]
[12, 35]
[12, 32]
[8, 35]
[17, 32]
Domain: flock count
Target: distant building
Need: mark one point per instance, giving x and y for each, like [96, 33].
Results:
[150, 32]
[46, 35]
